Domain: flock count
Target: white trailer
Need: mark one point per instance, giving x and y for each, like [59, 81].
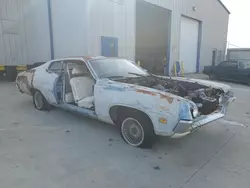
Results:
[24, 35]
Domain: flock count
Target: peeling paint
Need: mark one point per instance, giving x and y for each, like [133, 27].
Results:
[114, 88]
[146, 92]
[25, 81]
[162, 96]
[169, 99]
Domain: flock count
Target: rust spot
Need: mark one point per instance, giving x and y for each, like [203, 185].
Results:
[145, 92]
[169, 99]
[162, 96]
[32, 78]
[25, 81]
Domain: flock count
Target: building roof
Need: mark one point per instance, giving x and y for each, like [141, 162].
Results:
[222, 4]
[238, 49]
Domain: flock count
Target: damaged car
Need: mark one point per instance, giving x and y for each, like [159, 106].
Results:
[118, 92]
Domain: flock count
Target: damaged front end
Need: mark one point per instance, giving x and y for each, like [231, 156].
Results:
[189, 123]
[201, 101]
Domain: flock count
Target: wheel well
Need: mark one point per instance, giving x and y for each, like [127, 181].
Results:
[32, 90]
[114, 112]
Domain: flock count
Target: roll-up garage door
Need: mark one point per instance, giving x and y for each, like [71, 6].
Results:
[189, 44]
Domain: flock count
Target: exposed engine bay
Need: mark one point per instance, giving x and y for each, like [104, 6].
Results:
[206, 98]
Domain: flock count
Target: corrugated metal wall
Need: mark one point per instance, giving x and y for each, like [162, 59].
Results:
[11, 33]
[111, 18]
[78, 26]
[152, 36]
[213, 17]
[116, 18]
[36, 30]
[69, 21]
[238, 54]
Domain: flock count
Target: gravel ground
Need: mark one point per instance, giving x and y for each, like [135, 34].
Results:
[58, 149]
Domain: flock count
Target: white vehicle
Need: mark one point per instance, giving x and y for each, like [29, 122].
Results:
[118, 92]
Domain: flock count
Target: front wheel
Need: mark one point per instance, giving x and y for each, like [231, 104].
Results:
[39, 101]
[136, 129]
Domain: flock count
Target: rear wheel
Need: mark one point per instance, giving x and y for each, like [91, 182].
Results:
[39, 101]
[136, 129]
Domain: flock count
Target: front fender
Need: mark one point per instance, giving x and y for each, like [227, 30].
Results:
[152, 102]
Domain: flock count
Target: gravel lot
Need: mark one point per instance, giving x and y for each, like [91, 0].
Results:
[58, 149]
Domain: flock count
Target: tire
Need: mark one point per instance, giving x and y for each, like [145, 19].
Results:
[11, 73]
[136, 129]
[39, 101]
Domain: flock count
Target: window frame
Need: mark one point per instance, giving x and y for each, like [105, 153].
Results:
[77, 62]
[92, 72]
[224, 62]
[54, 62]
[116, 58]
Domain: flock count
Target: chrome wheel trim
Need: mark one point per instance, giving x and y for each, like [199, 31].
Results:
[38, 100]
[132, 132]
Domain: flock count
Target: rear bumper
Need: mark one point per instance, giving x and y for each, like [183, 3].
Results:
[184, 128]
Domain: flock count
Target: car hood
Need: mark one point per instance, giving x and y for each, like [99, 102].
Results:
[207, 83]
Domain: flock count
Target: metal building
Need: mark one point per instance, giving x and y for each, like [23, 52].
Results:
[238, 54]
[155, 32]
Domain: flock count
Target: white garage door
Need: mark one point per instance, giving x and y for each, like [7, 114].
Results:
[189, 44]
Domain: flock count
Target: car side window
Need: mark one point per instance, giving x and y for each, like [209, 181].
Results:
[244, 65]
[56, 67]
[77, 68]
[229, 64]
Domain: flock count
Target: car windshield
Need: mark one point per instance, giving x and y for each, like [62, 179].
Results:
[116, 68]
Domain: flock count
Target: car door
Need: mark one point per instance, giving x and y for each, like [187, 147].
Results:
[220, 72]
[243, 71]
[232, 70]
[227, 70]
[46, 79]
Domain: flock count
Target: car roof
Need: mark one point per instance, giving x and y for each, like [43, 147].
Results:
[85, 58]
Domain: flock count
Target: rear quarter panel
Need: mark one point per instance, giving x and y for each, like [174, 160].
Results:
[45, 83]
[38, 79]
[24, 81]
[154, 103]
